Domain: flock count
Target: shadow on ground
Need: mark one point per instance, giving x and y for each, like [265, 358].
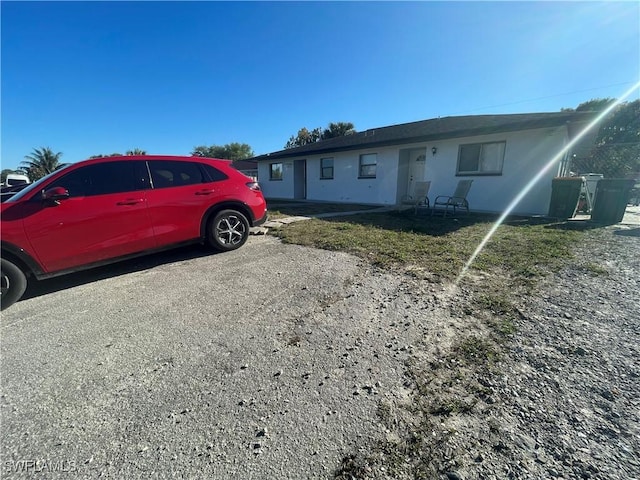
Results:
[422, 222]
[634, 232]
[43, 287]
[295, 209]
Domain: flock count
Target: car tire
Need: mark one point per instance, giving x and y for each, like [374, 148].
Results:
[228, 230]
[13, 283]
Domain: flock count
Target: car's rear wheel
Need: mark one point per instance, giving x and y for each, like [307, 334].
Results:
[228, 230]
[13, 283]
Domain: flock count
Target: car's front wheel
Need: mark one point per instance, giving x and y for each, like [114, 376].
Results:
[13, 283]
[228, 230]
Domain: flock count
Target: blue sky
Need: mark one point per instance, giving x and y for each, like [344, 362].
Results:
[99, 77]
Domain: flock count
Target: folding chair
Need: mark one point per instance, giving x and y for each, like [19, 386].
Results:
[419, 199]
[457, 200]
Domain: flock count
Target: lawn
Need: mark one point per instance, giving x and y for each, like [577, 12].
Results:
[523, 248]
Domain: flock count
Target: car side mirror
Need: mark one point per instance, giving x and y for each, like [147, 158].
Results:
[55, 194]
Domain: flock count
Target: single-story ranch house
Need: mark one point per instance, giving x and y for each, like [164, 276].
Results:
[380, 166]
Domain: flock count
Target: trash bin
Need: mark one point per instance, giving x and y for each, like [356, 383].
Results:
[565, 193]
[612, 195]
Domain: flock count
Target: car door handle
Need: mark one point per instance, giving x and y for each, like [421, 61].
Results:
[204, 192]
[131, 201]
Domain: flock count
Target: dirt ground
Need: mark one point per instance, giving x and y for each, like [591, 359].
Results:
[562, 399]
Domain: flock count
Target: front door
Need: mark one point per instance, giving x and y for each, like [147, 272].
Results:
[417, 167]
[300, 179]
[104, 217]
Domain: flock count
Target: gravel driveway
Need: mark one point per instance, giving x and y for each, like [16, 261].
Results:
[266, 362]
[273, 362]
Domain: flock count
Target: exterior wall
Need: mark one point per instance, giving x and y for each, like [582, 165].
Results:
[276, 188]
[526, 153]
[346, 186]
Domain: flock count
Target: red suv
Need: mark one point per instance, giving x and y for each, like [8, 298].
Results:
[107, 209]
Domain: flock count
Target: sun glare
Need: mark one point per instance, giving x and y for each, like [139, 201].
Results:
[551, 163]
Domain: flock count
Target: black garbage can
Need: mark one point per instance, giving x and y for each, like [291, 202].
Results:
[612, 195]
[565, 193]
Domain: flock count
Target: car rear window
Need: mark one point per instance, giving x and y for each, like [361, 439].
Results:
[213, 173]
[167, 173]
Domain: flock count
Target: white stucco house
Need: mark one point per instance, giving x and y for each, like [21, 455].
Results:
[501, 153]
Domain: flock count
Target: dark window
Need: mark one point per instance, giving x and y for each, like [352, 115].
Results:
[368, 163]
[213, 173]
[481, 158]
[168, 173]
[104, 179]
[326, 168]
[275, 171]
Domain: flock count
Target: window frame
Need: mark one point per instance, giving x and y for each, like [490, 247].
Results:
[361, 164]
[273, 178]
[479, 172]
[322, 169]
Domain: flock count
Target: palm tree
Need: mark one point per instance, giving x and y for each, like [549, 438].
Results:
[41, 162]
[136, 151]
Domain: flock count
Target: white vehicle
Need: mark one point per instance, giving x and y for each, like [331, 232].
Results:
[14, 179]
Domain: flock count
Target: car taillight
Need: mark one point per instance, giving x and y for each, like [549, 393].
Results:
[254, 186]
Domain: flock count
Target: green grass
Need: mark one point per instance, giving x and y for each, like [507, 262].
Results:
[476, 350]
[500, 308]
[596, 270]
[523, 248]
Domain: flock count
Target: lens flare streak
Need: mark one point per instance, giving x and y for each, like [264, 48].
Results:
[535, 179]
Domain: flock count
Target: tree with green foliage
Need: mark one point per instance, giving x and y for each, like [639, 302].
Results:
[41, 162]
[616, 150]
[593, 105]
[338, 129]
[333, 130]
[304, 137]
[230, 151]
[102, 155]
[136, 151]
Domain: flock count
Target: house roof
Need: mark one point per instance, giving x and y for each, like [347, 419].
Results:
[431, 130]
[244, 164]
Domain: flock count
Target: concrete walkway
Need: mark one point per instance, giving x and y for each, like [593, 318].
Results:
[276, 223]
[631, 216]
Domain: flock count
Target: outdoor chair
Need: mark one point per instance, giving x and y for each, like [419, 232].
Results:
[457, 200]
[419, 199]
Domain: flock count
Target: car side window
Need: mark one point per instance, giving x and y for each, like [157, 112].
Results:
[168, 173]
[213, 173]
[105, 178]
